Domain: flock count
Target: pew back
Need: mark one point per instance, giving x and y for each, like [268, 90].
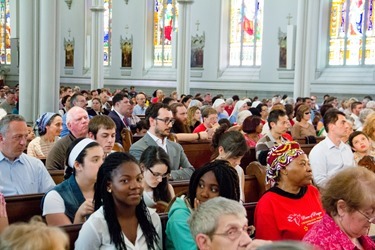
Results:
[20, 208]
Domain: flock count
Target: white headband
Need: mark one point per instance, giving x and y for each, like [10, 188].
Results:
[77, 150]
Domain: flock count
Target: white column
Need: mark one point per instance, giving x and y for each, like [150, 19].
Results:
[307, 46]
[97, 75]
[49, 51]
[300, 48]
[312, 37]
[28, 77]
[184, 47]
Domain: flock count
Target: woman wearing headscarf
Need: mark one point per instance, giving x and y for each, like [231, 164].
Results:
[49, 128]
[292, 205]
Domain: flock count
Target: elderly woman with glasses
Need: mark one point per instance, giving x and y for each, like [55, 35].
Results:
[349, 201]
[292, 205]
[303, 127]
[156, 170]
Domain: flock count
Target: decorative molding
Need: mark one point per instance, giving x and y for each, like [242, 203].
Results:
[69, 3]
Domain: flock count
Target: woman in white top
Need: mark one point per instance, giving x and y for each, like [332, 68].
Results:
[71, 201]
[122, 219]
[230, 146]
[49, 128]
[156, 168]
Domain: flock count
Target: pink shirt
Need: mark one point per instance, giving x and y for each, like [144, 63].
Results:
[326, 234]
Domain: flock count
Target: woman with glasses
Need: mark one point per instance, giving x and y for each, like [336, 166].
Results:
[303, 127]
[349, 201]
[214, 179]
[156, 168]
[292, 205]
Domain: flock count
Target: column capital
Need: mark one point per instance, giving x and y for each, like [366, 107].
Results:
[185, 1]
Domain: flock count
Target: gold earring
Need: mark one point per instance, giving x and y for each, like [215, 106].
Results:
[109, 190]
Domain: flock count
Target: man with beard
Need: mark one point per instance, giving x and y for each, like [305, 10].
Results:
[160, 120]
[180, 128]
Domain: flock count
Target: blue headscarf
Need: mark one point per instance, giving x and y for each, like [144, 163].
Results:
[43, 121]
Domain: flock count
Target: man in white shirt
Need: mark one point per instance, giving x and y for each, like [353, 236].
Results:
[331, 154]
[356, 108]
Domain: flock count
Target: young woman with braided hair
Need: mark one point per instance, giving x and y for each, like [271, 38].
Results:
[121, 219]
[214, 179]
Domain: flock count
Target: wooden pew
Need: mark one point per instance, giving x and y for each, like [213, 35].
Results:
[20, 208]
[57, 175]
[303, 140]
[252, 188]
[198, 153]
[307, 148]
[247, 158]
[72, 231]
[250, 211]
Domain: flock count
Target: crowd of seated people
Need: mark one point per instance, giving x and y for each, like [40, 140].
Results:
[120, 194]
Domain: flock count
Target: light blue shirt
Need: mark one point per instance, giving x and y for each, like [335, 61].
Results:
[326, 159]
[25, 175]
[65, 129]
[138, 110]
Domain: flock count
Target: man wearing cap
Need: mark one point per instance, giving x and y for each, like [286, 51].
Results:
[19, 173]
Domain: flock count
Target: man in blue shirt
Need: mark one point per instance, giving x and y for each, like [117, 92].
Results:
[19, 173]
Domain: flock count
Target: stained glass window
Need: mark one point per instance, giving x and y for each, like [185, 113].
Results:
[165, 27]
[107, 32]
[351, 33]
[5, 32]
[246, 20]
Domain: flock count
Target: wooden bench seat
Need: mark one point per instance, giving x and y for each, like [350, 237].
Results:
[20, 208]
[57, 175]
[72, 231]
[198, 153]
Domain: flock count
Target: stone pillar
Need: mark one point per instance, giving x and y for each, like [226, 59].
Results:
[300, 43]
[97, 75]
[184, 47]
[29, 59]
[306, 48]
[49, 51]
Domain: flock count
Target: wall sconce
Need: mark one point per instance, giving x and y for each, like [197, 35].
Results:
[69, 3]
[126, 1]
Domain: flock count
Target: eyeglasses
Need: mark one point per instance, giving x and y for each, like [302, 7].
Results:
[371, 220]
[167, 121]
[235, 232]
[156, 175]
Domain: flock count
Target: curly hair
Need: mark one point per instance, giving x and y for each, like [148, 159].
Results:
[368, 127]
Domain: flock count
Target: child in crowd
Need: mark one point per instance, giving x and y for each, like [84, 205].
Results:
[363, 152]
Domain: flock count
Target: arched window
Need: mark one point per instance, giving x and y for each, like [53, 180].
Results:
[165, 26]
[107, 32]
[246, 28]
[351, 32]
[5, 32]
